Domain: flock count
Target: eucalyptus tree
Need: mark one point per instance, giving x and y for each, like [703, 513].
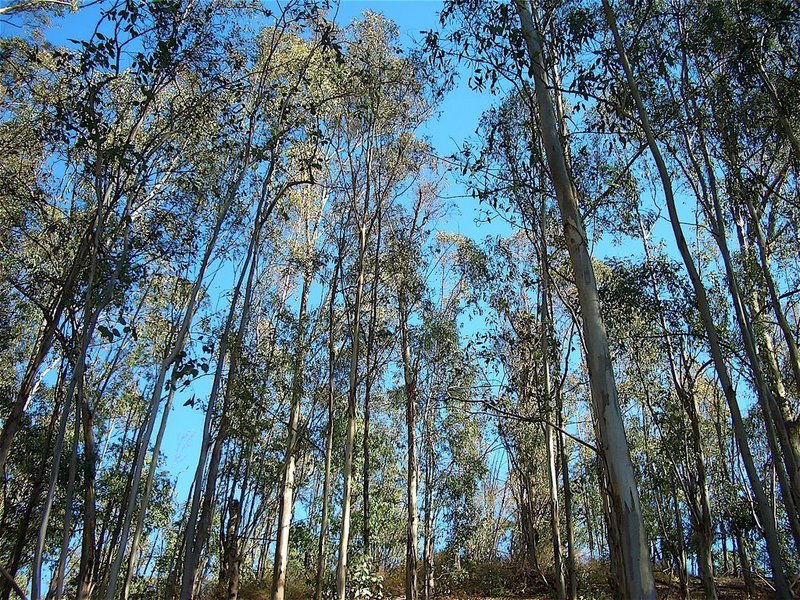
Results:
[310, 212]
[116, 163]
[376, 154]
[766, 515]
[530, 47]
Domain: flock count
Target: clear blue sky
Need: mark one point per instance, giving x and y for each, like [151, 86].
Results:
[458, 117]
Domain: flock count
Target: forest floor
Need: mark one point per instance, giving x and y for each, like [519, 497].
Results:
[729, 588]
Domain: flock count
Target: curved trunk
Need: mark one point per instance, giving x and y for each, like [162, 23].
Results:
[626, 516]
[762, 502]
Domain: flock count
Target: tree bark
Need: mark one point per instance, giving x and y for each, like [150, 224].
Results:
[762, 502]
[410, 380]
[355, 334]
[286, 505]
[637, 582]
[326, 486]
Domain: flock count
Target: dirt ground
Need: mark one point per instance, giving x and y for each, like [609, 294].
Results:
[728, 588]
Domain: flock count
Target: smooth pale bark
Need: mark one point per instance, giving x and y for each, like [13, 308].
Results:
[326, 486]
[286, 505]
[236, 548]
[572, 573]
[344, 537]
[788, 416]
[36, 574]
[550, 440]
[410, 380]
[637, 581]
[368, 388]
[777, 422]
[762, 502]
[355, 346]
[148, 488]
[114, 512]
[429, 527]
[66, 527]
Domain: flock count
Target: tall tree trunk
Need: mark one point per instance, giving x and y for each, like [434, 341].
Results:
[66, 528]
[286, 505]
[410, 380]
[429, 526]
[637, 582]
[86, 567]
[550, 440]
[572, 573]
[369, 375]
[232, 551]
[326, 486]
[762, 502]
[130, 571]
[355, 334]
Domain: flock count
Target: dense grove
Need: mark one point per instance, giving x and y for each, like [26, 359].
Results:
[245, 354]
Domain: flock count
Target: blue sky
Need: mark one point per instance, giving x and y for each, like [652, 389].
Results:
[457, 119]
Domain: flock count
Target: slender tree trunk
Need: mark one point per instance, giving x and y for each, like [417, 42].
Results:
[637, 582]
[148, 488]
[286, 506]
[200, 514]
[368, 387]
[410, 379]
[762, 502]
[323, 531]
[429, 525]
[344, 538]
[744, 561]
[66, 528]
[550, 440]
[232, 551]
[572, 574]
[86, 568]
[155, 399]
